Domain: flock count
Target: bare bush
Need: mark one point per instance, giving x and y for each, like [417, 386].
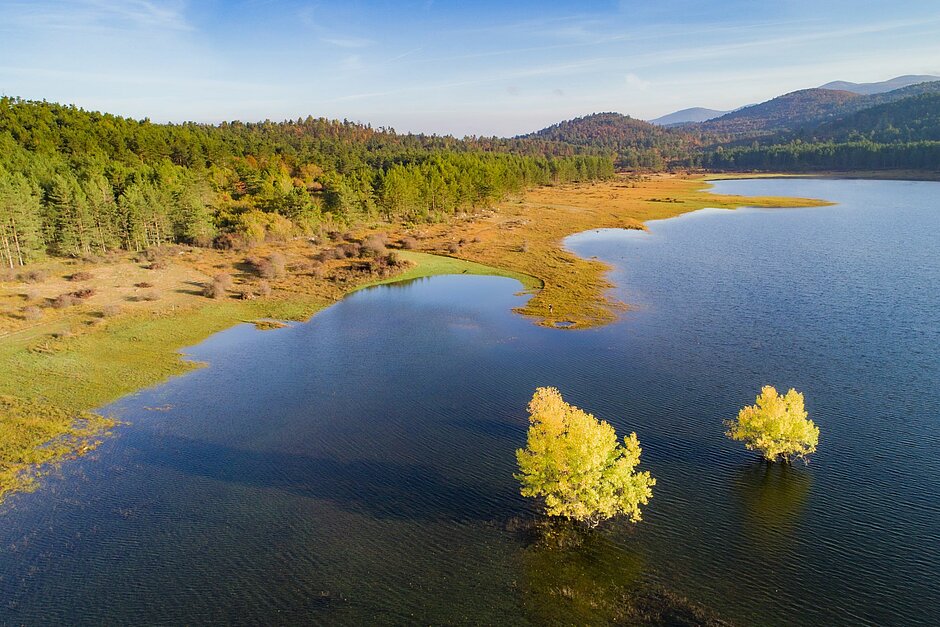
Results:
[326, 255]
[270, 267]
[143, 284]
[279, 262]
[408, 243]
[228, 241]
[373, 246]
[64, 300]
[109, 311]
[81, 276]
[453, 248]
[33, 276]
[349, 236]
[31, 313]
[218, 287]
[159, 264]
[85, 292]
[349, 250]
[264, 289]
[334, 235]
[150, 295]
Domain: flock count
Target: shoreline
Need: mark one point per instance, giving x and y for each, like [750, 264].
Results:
[54, 371]
[865, 175]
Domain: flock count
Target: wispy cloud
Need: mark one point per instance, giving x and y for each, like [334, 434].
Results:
[348, 42]
[94, 15]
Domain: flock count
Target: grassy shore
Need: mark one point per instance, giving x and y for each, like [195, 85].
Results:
[128, 334]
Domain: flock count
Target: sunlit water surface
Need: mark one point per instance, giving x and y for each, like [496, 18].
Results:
[358, 468]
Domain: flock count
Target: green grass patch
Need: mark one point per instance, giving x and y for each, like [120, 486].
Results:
[426, 265]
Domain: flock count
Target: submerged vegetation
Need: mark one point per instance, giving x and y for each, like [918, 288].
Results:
[34, 433]
[776, 426]
[575, 464]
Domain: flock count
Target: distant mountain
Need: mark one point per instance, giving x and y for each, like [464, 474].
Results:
[867, 89]
[695, 114]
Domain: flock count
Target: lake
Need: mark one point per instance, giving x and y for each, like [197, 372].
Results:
[358, 468]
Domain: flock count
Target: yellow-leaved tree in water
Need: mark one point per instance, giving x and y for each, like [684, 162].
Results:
[577, 466]
[776, 426]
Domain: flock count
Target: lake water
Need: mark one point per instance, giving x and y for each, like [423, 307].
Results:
[358, 468]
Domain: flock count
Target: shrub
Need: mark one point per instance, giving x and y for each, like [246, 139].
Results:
[64, 300]
[151, 295]
[264, 289]
[81, 276]
[33, 276]
[326, 255]
[228, 241]
[453, 248]
[153, 253]
[7, 275]
[408, 243]
[334, 236]
[109, 311]
[349, 236]
[279, 263]
[218, 286]
[373, 246]
[270, 267]
[159, 264]
[32, 313]
[349, 250]
[143, 284]
[85, 292]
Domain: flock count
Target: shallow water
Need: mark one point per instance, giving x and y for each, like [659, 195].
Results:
[358, 468]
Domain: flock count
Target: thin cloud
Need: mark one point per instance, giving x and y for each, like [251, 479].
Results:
[102, 15]
[348, 42]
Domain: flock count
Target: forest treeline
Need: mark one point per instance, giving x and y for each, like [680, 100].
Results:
[74, 182]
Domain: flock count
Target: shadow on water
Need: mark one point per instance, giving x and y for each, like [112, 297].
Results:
[380, 488]
[772, 498]
[579, 576]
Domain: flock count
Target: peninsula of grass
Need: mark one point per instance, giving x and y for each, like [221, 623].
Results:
[128, 334]
[426, 265]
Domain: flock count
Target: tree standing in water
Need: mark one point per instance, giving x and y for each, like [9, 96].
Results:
[776, 426]
[577, 466]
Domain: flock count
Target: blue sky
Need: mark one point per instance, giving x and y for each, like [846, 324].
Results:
[449, 67]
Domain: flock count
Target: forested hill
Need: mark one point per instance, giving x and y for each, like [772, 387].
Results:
[902, 135]
[804, 109]
[74, 182]
[916, 118]
[636, 142]
[782, 113]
